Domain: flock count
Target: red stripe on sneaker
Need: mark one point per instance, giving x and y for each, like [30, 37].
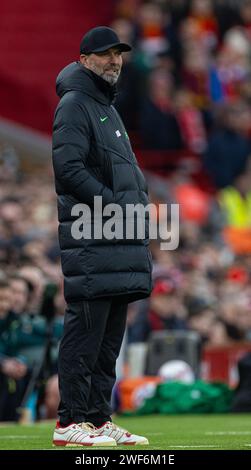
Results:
[59, 443]
[64, 443]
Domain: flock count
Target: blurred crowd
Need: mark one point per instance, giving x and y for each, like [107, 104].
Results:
[188, 75]
[31, 290]
[186, 85]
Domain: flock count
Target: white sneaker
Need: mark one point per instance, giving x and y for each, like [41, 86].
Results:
[121, 436]
[79, 435]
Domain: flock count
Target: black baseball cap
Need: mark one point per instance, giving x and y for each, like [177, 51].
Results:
[100, 39]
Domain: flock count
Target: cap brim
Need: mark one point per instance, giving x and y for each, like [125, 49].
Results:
[123, 47]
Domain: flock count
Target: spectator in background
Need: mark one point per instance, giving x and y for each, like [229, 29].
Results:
[235, 205]
[24, 337]
[227, 13]
[19, 294]
[199, 37]
[203, 23]
[218, 334]
[163, 311]
[235, 201]
[229, 146]
[166, 311]
[13, 234]
[201, 317]
[195, 72]
[13, 371]
[36, 280]
[190, 120]
[245, 15]
[231, 67]
[155, 33]
[137, 323]
[236, 315]
[131, 84]
[159, 126]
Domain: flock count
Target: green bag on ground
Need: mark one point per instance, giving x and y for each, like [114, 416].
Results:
[199, 397]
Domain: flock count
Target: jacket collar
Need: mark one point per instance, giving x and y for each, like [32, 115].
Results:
[104, 92]
[77, 77]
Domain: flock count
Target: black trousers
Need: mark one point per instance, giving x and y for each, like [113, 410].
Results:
[93, 334]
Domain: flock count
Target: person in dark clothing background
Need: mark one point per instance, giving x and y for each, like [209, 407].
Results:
[229, 147]
[13, 371]
[158, 124]
[92, 156]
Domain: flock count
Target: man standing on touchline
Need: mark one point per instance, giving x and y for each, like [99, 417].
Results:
[92, 156]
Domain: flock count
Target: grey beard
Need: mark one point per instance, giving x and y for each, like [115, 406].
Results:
[108, 78]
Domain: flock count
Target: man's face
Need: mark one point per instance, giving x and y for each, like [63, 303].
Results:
[106, 64]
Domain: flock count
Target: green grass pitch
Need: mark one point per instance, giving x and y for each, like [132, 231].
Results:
[201, 432]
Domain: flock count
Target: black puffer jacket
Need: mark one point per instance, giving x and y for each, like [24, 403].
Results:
[92, 156]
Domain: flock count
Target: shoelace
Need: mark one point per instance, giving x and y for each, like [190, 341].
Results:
[117, 428]
[89, 427]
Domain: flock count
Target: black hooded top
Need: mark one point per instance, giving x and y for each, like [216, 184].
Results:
[92, 156]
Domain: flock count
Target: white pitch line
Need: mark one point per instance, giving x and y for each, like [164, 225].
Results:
[19, 437]
[191, 447]
[229, 433]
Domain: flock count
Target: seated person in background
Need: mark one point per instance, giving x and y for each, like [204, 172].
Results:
[23, 341]
[235, 204]
[19, 293]
[229, 146]
[158, 124]
[219, 334]
[13, 371]
[163, 311]
[166, 311]
[201, 317]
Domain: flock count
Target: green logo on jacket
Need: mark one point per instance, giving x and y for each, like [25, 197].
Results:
[103, 119]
